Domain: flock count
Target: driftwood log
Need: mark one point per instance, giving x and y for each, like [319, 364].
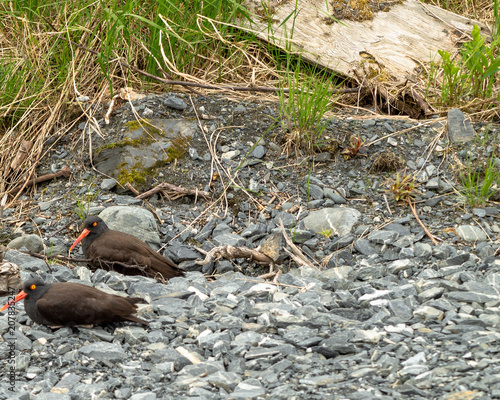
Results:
[63, 173]
[401, 39]
[392, 46]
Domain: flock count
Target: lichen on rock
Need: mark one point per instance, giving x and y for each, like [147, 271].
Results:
[146, 146]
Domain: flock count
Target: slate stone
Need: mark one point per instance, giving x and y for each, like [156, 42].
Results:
[136, 144]
[22, 343]
[201, 369]
[288, 220]
[338, 220]
[32, 242]
[207, 339]
[230, 239]
[143, 396]
[253, 229]
[180, 252]
[248, 389]
[431, 293]
[52, 396]
[428, 313]
[26, 263]
[230, 155]
[339, 243]
[67, 382]
[302, 336]
[422, 250]
[108, 184]
[222, 228]
[471, 233]
[130, 334]
[103, 351]
[174, 102]
[459, 127]
[224, 380]
[399, 228]
[206, 231]
[337, 343]
[332, 194]
[383, 237]
[470, 297]
[314, 191]
[87, 391]
[322, 157]
[364, 247]
[458, 259]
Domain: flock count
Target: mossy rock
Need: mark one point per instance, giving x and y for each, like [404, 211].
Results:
[146, 146]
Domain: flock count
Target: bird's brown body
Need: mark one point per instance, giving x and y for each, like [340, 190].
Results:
[121, 252]
[73, 304]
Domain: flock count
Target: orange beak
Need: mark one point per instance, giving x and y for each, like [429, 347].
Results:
[79, 238]
[21, 295]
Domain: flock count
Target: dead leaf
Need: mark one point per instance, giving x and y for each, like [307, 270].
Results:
[130, 95]
[22, 154]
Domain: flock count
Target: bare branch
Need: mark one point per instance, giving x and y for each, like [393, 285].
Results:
[179, 191]
[65, 172]
[229, 252]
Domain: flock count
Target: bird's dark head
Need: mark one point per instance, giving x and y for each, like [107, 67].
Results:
[92, 226]
[31, 288]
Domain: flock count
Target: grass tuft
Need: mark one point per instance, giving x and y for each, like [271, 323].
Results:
[478, 185]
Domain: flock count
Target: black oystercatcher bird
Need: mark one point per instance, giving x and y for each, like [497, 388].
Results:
[72, 304]
[122, 252]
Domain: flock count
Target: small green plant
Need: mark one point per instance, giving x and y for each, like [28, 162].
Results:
[404, 187]
[326, 232]
[302, 110]
[484, 137]
[474, 74]
[477, 185]
[83, 205]
[49, 253]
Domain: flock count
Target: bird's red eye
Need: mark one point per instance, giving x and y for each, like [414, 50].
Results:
[94, 224]
[33, 287]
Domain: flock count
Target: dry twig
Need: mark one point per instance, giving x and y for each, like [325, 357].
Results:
[177, 190]
[230, 252]
[414, 211]
[65, 172]
[295, 254]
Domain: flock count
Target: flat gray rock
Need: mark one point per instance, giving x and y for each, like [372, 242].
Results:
[471, 233]
[175, 102]
[339, 220]
[32, 242]
[459, 127]
[26, 263]
[230, 239]
[103, 351]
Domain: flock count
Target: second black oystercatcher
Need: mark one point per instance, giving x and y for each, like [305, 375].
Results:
[72, 304]
[121, 252]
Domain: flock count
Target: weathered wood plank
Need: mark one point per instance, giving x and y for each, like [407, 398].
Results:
[401, 39]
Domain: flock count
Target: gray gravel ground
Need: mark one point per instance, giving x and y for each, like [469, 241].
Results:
[382, 313]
